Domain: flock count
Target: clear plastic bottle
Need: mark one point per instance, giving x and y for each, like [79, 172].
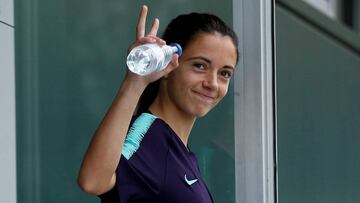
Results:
[148, 58]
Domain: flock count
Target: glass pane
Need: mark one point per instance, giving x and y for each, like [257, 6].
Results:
[317, 114]
[70, 58]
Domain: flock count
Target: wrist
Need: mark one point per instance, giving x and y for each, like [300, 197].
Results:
[133, 84]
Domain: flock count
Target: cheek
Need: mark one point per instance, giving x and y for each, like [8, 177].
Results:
[176, 87]
[223, 90]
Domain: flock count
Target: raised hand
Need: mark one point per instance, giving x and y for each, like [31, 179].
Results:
[151, 37]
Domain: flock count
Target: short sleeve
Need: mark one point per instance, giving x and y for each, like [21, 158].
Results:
[141, 170]
[110, 196]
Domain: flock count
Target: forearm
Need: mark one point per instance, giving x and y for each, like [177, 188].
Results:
[103, 154]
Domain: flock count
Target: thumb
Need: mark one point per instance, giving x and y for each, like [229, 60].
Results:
[175, 60]
[174, 63]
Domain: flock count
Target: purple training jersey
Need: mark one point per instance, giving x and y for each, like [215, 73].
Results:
[156, 167]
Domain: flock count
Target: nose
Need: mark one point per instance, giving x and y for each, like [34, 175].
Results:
[210, 82]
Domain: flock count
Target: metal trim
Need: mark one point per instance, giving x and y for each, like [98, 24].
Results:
[255, 154]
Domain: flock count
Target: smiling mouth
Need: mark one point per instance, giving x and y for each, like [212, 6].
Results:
[204, 96]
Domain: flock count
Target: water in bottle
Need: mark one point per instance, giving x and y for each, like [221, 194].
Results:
[148, 58]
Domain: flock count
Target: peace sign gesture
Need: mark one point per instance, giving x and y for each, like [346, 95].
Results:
[151, 37]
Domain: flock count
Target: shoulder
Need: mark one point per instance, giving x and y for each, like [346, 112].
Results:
[144, 155]
[146, 132]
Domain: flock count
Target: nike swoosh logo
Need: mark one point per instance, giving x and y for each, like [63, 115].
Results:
[190, 182]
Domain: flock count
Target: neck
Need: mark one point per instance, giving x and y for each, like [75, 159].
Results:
[178, 120]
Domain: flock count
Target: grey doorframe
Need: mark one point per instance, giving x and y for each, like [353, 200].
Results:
[254, 102]
[7, 103]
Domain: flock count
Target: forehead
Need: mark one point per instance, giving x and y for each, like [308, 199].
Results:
[212, 46]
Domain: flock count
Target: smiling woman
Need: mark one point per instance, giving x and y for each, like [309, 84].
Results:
[141, 145]
[203, 76]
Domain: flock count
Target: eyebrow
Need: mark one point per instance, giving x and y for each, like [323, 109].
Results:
[199, 57]
[208, 61]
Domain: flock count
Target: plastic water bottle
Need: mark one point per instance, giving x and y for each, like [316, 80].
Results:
[148, 58]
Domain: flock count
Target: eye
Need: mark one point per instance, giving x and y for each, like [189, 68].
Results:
[200, 66]
[226, 74]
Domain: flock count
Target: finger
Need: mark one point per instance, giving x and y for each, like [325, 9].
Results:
[154, 27]
[175, 60]
[151, 39]
[160, 41]
[165, 72]
[156, 39]
[148, 39]
[140, 29]
[173, 64]
[145, 40]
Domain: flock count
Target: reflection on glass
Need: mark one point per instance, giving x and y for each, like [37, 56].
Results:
[327, 7]
[346, 12]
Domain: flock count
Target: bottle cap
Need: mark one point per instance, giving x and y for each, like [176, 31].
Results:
[179, 49]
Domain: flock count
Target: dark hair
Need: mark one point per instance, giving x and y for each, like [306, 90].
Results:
[182, 30]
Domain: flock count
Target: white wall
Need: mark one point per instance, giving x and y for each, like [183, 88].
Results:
[7, 104]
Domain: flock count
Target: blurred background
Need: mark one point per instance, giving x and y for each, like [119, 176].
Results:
[61, 63]
[69, 62]
[318, 111]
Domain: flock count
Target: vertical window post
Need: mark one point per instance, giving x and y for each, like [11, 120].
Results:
[255, 154]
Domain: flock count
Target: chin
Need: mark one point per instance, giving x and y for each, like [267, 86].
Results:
[198, 111]
[202, 113]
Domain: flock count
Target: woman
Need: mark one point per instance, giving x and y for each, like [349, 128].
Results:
[150, 161]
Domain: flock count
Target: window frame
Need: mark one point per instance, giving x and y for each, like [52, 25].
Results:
[254, 99]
